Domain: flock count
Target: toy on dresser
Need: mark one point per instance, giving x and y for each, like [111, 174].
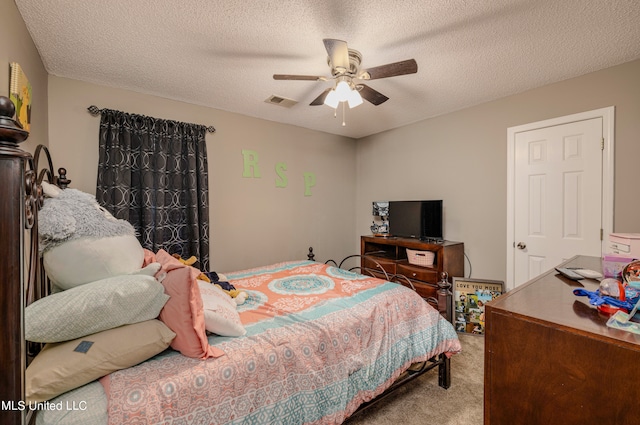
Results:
[621, 319]
[618, 294]
[611, 296]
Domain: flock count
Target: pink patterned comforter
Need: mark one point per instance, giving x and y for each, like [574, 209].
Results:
[320, 341]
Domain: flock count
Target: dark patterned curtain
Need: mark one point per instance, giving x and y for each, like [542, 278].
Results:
[153, 173]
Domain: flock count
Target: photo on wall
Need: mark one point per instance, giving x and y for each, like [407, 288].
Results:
[469, 299]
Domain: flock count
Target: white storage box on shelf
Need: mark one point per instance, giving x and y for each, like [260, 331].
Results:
[421, 258]
[625, 244]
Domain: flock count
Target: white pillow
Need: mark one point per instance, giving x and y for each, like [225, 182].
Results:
[94, 307]
[220, 314]
[86, 260]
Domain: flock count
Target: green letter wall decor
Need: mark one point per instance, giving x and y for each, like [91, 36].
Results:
[281, 180]
[251, 170]
[250, 164]
[309, 182]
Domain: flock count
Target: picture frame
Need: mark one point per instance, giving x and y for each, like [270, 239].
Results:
[20, 93]
[469, 297]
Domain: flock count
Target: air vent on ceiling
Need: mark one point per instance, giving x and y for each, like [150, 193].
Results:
[281, 101]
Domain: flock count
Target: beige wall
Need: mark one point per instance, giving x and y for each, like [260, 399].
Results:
[16, 46]
[252, 221]
[461, 158]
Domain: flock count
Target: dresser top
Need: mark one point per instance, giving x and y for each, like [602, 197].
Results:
[396, 240]
[549, 298]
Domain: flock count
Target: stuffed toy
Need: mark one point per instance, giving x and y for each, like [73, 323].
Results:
[239, 297]
[81, 242]
[190, 262]
[221, 281]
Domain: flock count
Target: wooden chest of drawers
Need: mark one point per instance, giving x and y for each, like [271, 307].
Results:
[551, 359]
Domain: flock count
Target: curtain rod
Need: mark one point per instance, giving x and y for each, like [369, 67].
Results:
[95, 111]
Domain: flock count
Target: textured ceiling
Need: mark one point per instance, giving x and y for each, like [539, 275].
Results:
[223, 54]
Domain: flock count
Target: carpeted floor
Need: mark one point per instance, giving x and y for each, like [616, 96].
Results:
[423, 402]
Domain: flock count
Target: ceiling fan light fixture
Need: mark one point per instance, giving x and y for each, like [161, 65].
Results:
[345, 69]
[343, 90]
[332, 99]
[354, 99]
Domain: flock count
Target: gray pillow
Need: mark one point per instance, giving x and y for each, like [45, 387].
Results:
[94, 307]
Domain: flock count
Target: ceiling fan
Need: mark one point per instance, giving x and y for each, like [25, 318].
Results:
[345, 69]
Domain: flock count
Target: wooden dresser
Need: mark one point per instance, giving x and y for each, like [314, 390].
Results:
[390, 253]
[550, 358]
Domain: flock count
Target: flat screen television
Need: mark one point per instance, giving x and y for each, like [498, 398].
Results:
[416, 219]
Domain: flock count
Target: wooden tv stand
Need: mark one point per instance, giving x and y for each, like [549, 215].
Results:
[551, 359]
[390, 253]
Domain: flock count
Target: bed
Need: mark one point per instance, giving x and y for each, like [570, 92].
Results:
[321, 342]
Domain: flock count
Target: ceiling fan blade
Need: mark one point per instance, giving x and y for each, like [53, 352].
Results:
[390, 70]
[338, 53]
[371, 95]
[298, 77]
[320, 99]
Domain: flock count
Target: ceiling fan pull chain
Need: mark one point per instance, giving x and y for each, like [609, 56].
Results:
[344, 124]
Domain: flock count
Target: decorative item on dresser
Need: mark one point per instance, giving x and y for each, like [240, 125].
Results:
[551, 359]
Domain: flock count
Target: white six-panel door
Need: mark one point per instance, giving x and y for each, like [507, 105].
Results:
[558, 202]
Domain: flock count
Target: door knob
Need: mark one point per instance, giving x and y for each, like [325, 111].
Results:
[521, 245]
